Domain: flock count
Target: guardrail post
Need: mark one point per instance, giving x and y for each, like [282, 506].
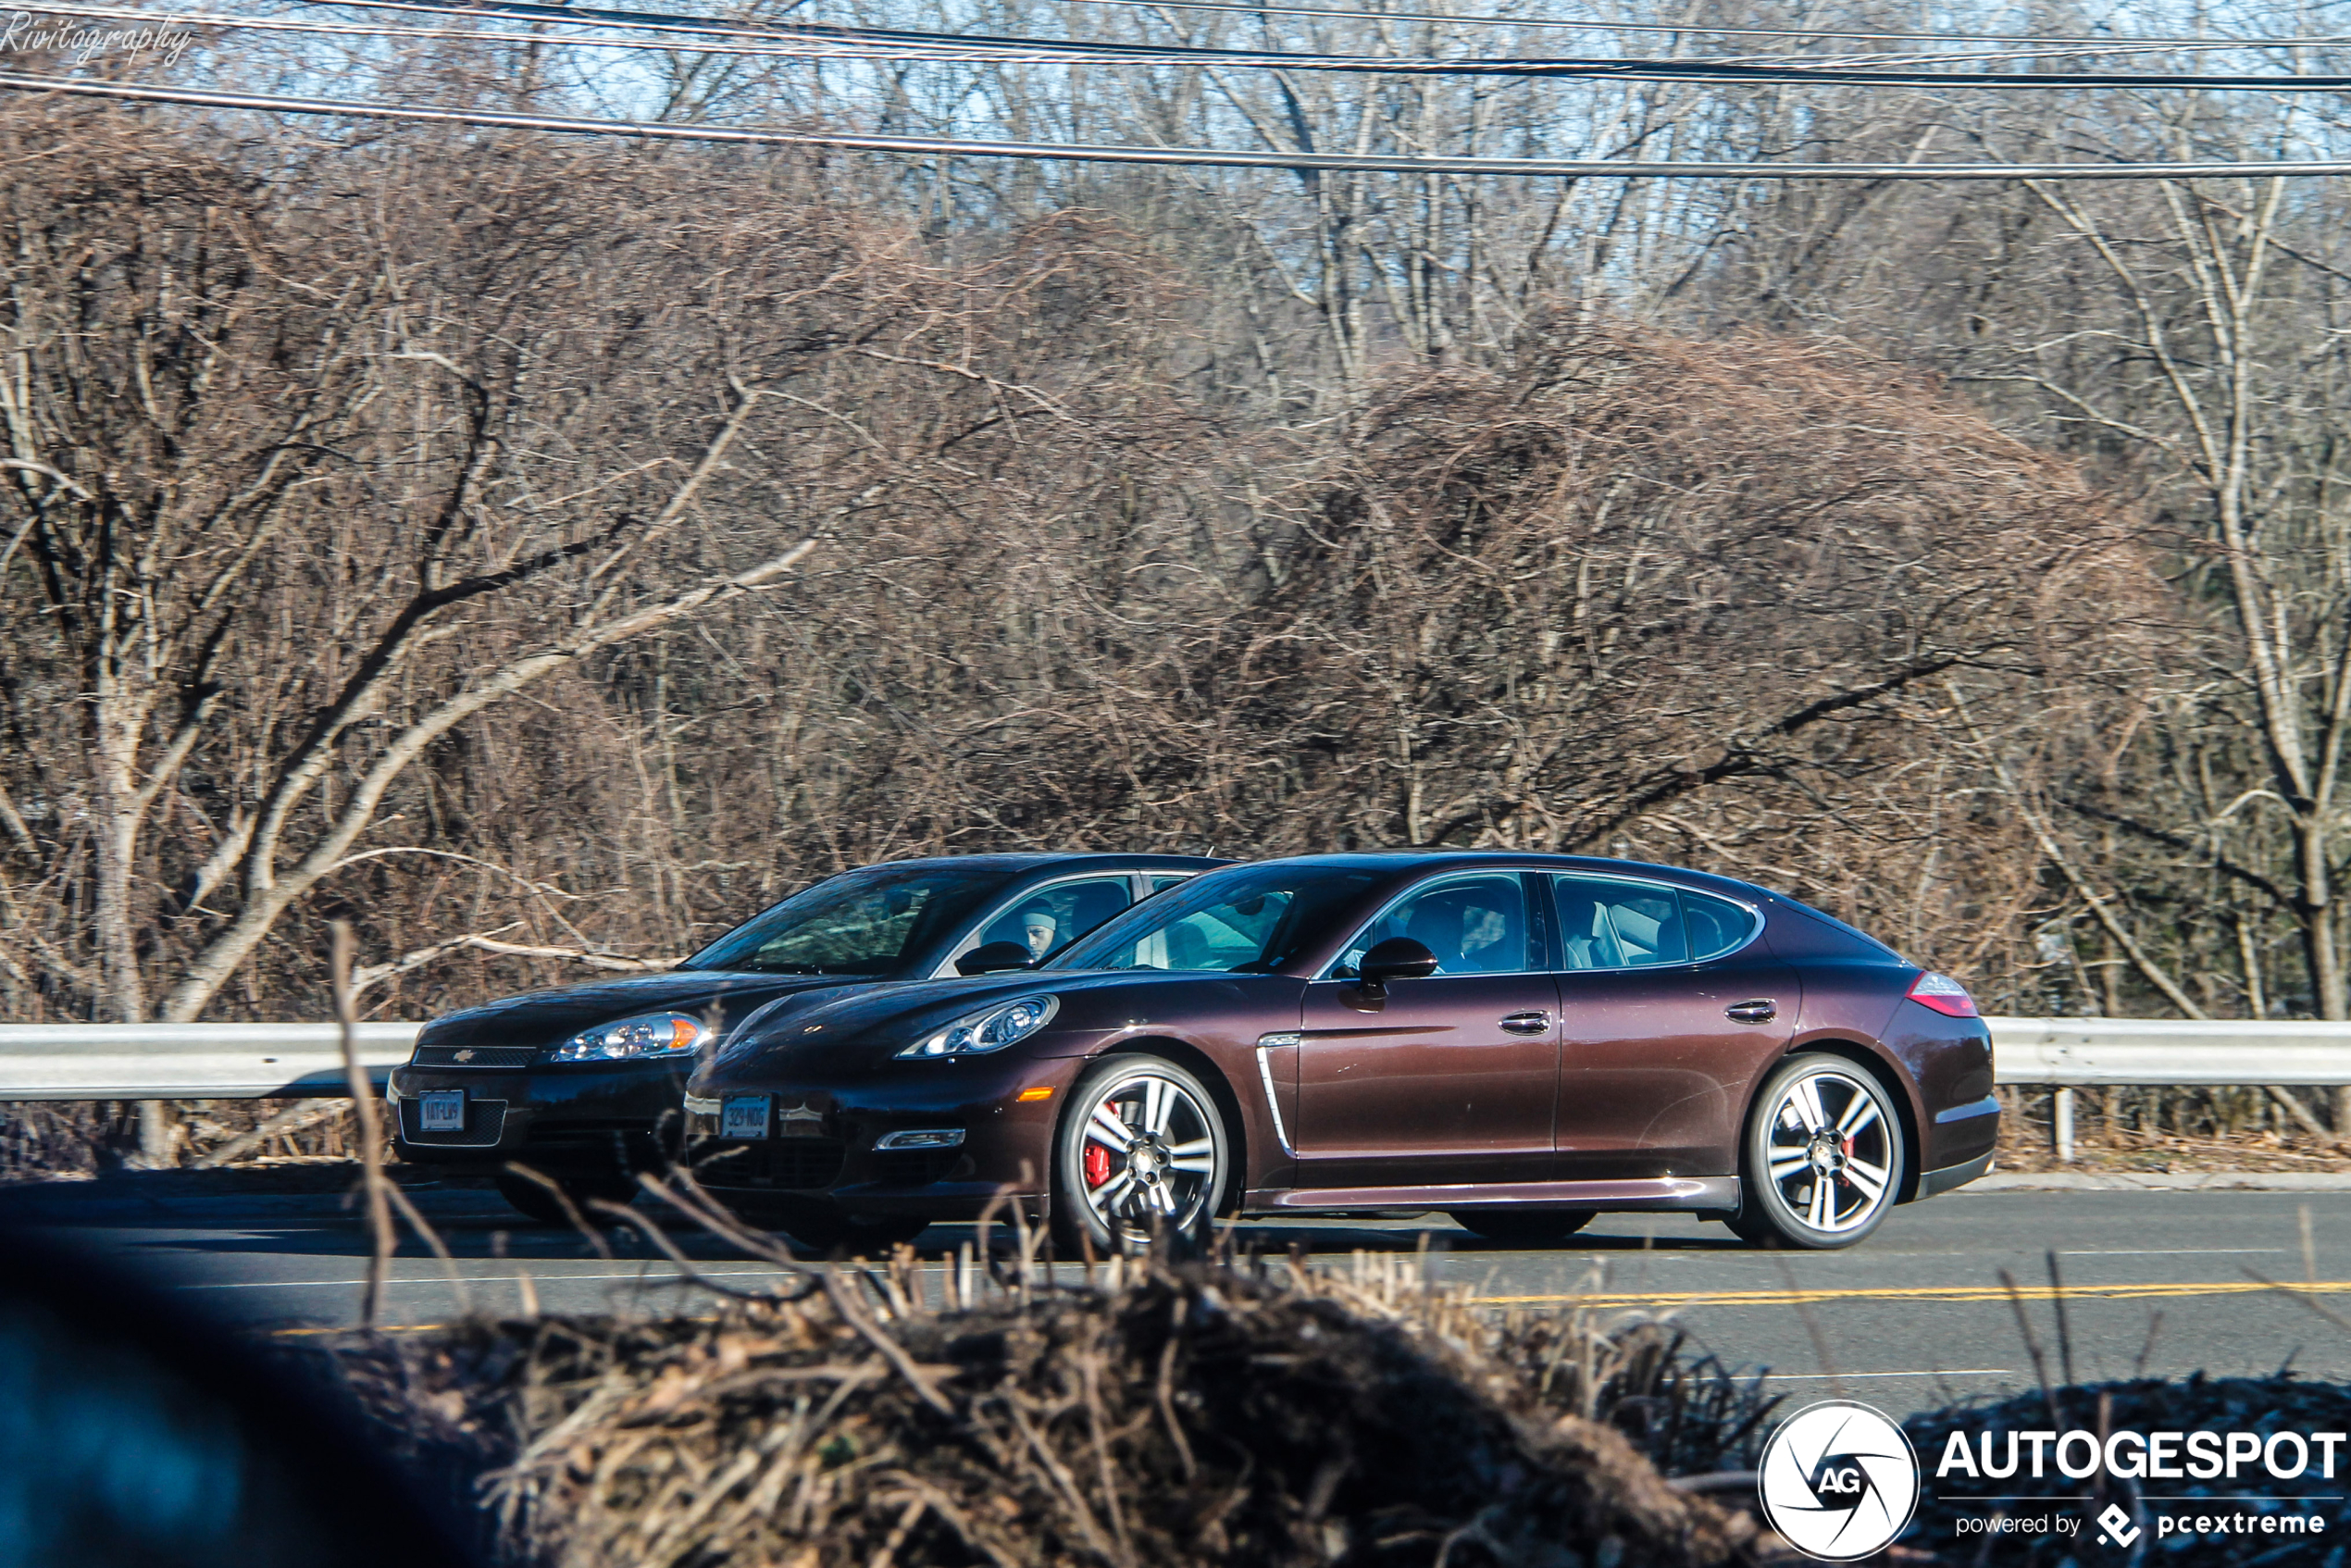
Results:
[2061, 1122]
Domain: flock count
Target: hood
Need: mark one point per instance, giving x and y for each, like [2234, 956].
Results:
[549, 1017]
[864, 1028]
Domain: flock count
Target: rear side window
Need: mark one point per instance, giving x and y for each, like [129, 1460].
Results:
[1715, 926]
[1605, 924]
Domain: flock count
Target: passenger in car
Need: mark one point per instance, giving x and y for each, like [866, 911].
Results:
[1469, 929]
[1586, 937]
[1485, 941]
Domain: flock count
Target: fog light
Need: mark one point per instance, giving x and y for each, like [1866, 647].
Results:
[926, 1138]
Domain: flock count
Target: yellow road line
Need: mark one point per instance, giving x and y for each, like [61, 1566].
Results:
[1915, 1293]
[2161, 1289]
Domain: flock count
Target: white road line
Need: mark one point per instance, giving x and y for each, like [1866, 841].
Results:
[2164, 1252]
[1940, 1372]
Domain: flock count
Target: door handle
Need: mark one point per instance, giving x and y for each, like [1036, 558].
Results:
[1528, 1024]
[1761, 1011]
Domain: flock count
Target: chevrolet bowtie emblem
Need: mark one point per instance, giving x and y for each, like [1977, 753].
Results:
[463, 1056]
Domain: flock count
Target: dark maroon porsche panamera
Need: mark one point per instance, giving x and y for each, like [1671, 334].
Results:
[1519, 1041]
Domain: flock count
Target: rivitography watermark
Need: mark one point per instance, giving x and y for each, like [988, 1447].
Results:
[27, 34]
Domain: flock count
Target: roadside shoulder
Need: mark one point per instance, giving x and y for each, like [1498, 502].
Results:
[2159, 1181]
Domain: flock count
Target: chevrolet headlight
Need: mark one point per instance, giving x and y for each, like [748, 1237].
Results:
[653, 1034]
[990, 1030]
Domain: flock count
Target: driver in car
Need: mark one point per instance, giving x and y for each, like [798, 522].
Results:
[1036, 929]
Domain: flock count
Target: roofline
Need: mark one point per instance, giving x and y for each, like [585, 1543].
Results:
[1537, 860]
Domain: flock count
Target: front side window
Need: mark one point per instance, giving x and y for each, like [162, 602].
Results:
[1605, 924]
[872, 921]
[1254, 919]
[1048, 919]
[1474, 924]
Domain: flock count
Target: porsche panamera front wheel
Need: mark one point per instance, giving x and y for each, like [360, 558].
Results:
[1824, 1158]
[1141, 1151]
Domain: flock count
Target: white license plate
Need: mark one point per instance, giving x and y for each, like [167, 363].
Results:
[441, 1110]
[745, 1115]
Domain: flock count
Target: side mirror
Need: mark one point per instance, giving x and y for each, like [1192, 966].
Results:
[993, 957]
[1399, 958]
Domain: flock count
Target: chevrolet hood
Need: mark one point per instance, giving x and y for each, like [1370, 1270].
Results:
[548, 1017]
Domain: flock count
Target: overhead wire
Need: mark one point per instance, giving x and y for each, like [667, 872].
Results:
[582, 16]
[2090, 43]
[779, 48]
[931, 146]
[1701, 29]
[951, 48]
[975, 48]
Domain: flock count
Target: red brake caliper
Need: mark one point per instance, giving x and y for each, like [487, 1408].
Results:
[1097, 1165]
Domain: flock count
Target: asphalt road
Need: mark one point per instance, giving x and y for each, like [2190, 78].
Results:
[1914, 1317]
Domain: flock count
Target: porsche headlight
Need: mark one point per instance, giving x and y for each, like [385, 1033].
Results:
[990, 1029]
[650, 1034]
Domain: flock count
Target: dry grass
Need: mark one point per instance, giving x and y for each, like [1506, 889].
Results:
[2166, 1130]
[1161, 1414]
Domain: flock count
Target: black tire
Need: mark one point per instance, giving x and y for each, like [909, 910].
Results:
[1823, 1157]
[1168, 1178]
[533, 1199]
[823, 1228]
[1523, 1228]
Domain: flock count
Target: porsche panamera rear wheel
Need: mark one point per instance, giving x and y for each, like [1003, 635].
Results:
[1823, 1159]
[1141, 1151]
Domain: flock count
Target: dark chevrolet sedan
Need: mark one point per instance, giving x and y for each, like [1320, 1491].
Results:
[1521, 1041]
[582, 1084]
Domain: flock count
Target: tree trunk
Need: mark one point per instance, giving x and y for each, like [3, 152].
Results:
[123, 997]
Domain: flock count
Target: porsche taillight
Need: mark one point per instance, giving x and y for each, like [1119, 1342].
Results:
[1944, 994]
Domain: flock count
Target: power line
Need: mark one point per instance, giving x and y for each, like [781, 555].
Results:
[1036, 50]
[2086, 44]
[928, 147]
[780, 47]
[1594, 24]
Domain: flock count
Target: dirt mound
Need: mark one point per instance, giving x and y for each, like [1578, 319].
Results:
[1171, 1415]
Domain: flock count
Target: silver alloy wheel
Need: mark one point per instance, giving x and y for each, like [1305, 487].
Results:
[1148, 1154]
[1832, 1152]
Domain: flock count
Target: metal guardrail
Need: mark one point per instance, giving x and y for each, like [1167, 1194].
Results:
[256, 1061]
[2067, 1053]
[191, 1061]
[2080, 1053]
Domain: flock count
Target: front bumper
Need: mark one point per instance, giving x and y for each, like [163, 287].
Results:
[554, 1116]
[822, 1134]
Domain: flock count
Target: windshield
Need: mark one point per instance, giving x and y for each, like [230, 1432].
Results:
[1253, 919]
[874, 921]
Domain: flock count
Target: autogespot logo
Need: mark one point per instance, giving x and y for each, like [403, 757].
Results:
[1839, 1481]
